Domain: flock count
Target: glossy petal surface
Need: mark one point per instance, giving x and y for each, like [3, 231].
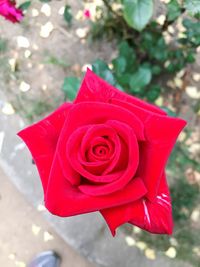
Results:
[155, 217]
[41, 139]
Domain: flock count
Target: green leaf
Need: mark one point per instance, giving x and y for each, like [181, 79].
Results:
[99, 66]
[119, 65]
[169, 111]
[68, 14]
[140, 79]
[153, 93]
[25, 5]
[124, 79]
[118, 86]
[125, 50]
[137, 13]
[108, 76]
[190, 58]
[156, 70]
[173, 10]
[102, 69]
[192, 6]
[70, 87]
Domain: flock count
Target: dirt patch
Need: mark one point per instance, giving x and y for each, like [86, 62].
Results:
[42, 63]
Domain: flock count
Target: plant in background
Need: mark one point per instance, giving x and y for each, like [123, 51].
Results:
[150, 53]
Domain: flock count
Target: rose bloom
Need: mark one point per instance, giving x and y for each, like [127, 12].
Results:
[106, 152]
[9, 11]
[87, 13]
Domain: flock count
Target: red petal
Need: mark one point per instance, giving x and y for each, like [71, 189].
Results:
[88, 113]
[94, 88]
[155, 217]
[64, 199]
[72, 150]
[161, 133]
[41, 139]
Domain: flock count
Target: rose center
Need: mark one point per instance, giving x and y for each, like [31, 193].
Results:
[100, 150]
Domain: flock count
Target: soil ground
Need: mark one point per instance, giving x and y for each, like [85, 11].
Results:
[24, 232]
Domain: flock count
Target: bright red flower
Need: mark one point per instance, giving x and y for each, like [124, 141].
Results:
[9, 11]
[106, 152]
[87, 13]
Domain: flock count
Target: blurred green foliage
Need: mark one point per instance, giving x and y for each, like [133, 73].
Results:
[146, 59]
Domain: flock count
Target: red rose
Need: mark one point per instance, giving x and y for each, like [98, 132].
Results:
[87, 13]
[9, 11]
[106, 152]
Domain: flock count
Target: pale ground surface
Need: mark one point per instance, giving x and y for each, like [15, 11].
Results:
[24, 233]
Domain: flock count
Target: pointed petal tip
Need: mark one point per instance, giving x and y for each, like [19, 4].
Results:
[113, 233]
[20, 134]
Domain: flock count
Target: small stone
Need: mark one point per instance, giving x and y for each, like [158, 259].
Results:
[20, 264]
[35, 47]
[61, 11]
[82, 32]
[170, 29]
[136, 230]
[196, 77]
[195, 216]
[35, 229]
[44, 87]
[171, 252]
[180, 74]
[19, 146]
[178, 82]
[196, 250]
[29, 65]
[130, 241]
[35, 12]
[12, 256]
[12, 62]
[23, 42]
[8, 109]
[173, 241]
[150, 254]
[46, 10]
[165, 1]
[41, 207]
[24, 87]
[85, 67]
[46, 30]
[193, 92]
[161, 19]
[141, 245]
[182, 136]
[27, 53]
[48, 236]
[166, 64]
